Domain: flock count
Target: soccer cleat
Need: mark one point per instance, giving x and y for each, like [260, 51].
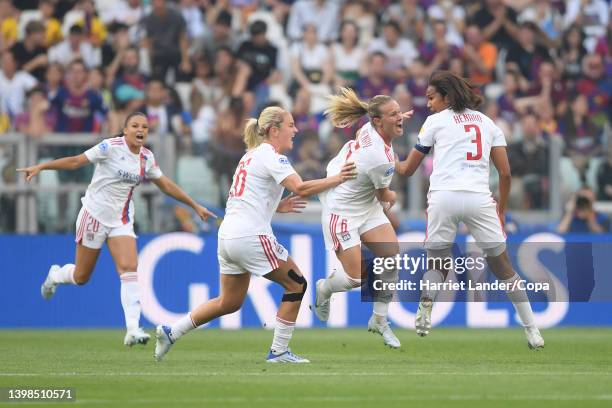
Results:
[286, 357]
[422, 322]
[137, 336]
[321, 306]
[535, 341]
[47, 290]
[164, 341]
[385, 331]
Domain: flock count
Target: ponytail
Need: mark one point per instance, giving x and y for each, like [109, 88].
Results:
[346, 109]
[251, 134]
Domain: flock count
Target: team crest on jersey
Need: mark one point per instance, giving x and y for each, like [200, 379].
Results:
[390, 171]
[104, 146]
[283, 160]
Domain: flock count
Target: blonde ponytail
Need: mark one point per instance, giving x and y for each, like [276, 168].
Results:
[256, 130]
[345, 109]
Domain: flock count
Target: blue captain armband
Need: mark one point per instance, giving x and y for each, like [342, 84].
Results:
[422, 149]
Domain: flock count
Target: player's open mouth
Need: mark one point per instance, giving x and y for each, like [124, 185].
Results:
[139, 136]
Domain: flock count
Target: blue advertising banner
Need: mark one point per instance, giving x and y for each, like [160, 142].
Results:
[177, 271]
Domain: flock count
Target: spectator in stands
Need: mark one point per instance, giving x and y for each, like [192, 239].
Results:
[53, 27]
[31, 53]
[348, 55]
[8, 25]
[75, 47]
[115, 44]
[14, 84]
[526, 55]
[375, 82]
[166, 40]
[194, 19]
[219, 36]
[302, 116]
[571, 53]
[309, 155]
[582, 136]
[604, 177]
[128, 70]
[227, 144]
[78, 107]
[498, 23]
[258, 62]
[581, 217]
[93, 27]
[225, 71]
[411, 18]
[439, 52]
[596, 84]
[53, 79]
[205, 87]
[507, 99]
[480, 56]
[399, 52]
[529, 162]
[311, 62]
[363, 13]
[453, 15]
[323, 14]
[592, 15]
[417, 86]
[38, 119]
[160, 113]
[127, 12]
[128, 99]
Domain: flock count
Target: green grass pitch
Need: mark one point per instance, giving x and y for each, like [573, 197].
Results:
[349, 368]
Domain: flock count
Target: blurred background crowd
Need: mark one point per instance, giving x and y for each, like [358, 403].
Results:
[200, 68]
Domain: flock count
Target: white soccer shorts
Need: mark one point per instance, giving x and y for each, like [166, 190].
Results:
[258, 255]
[92, 234]
[478, 211]
[345, 232]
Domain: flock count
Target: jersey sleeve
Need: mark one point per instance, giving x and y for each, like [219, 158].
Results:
[279, 167]
[425, 139]
[99, 152]
[381, 175]
[152, 170]
[498, 137]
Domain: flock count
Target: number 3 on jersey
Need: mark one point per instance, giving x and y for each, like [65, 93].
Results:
[239, 179]
[477, 140]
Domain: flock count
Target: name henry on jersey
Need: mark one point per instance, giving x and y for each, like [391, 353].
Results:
[467, 117]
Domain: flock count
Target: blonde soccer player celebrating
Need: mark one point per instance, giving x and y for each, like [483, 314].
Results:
[464, 141]
[246, 243]
[107, 214]
[354, 211]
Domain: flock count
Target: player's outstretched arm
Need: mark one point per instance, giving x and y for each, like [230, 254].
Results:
[296, 185]
[499, 157]
[412, 162]
[65, 163]
[170, 188]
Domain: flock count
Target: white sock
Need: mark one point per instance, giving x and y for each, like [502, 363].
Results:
[130, 299]
[182, 326]
[64, 275]
[338, 281]
[521, 303]
[282, 335]
[381, 309]
[431, 278]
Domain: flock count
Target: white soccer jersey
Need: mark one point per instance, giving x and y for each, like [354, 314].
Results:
[462, 145]
[255, 193]
[118, 171]
[375, 163]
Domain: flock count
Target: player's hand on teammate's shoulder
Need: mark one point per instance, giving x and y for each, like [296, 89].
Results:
[204, 212]
[30, 172]
[291, 204]
[348, 171]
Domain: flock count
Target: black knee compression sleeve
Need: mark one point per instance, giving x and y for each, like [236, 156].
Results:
[295, 297]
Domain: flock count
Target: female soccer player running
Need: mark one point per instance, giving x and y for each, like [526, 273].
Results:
[464, 140]
[353, 212]
[107, 215]
[246, 243]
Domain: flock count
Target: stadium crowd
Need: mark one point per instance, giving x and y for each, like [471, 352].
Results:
[200, 68]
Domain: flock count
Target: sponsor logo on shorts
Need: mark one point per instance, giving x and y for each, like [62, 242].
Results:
[90, 236]
[346, 236]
